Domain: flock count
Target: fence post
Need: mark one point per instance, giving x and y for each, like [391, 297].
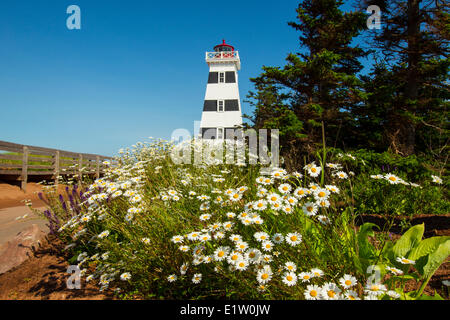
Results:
[56, 167]
[97, 172]
[80, 165]
[23, 184]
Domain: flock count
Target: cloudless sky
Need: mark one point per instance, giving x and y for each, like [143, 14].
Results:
[135, 69]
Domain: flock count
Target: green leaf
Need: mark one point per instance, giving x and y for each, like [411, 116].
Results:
[427, 297]
[436, 258]
[425, 247]
[409, 240]
[366, 250]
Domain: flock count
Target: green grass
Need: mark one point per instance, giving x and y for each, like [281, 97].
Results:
[171, 201]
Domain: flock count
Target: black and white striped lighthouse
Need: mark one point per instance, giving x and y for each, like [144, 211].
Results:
[222, 106]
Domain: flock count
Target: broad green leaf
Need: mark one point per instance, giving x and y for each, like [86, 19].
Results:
[425, 247]
[436, 258]
[366, 250]
[436, 296]
[409, 240]
[405, 277]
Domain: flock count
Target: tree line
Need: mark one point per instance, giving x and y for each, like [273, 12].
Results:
[399, 105]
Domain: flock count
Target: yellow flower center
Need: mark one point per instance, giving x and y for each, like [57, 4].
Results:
[294, 238]
[313, 293]
[331, 293]
[264, 276]
[392, 178]
[274, 198]
[289, 278]
[221, 254]
[313, 169]
[321, 194]
[234, 257]
[306, 277]
[310, 209]
[241, 264]
[348, 282]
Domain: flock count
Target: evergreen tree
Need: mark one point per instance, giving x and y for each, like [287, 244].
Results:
[414, 44]
[318, 83]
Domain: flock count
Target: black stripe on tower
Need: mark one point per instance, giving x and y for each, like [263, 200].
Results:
[213, 77]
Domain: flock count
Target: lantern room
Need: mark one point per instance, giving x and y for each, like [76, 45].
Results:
[223, 47]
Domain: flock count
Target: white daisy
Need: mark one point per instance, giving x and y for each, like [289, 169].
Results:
[125, 276]
[436, 179]
[197, 278]
[172, 278]
[290, 266]
[305, 276]
[330, 291]
[290, 279]
[293, 239]
[264, 275]
[403, 260]
[277, 238]
[299, 192]
[221, 253]
[284, 188]
[313, 292]
[310, 209]
[348, 281]
[267, 245]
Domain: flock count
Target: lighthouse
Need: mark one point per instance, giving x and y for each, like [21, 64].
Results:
[222, 107]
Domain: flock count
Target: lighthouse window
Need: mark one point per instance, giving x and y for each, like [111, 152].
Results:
[210, 105]
[221, 77]
[230, 77]
[220, 106]
[231, 105]
[213, 77]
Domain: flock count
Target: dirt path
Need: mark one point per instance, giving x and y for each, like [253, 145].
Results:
[44, 277]
[15, 219]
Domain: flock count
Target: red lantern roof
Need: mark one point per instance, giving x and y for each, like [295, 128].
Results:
[223, 47]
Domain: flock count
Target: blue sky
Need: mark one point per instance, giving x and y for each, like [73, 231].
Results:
[135, 69]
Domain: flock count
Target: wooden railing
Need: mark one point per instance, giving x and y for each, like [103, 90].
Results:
[22, 161]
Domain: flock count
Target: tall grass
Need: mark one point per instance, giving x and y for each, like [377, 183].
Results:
[154, 229]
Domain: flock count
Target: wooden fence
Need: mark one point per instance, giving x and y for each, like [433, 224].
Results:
[23, 161]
